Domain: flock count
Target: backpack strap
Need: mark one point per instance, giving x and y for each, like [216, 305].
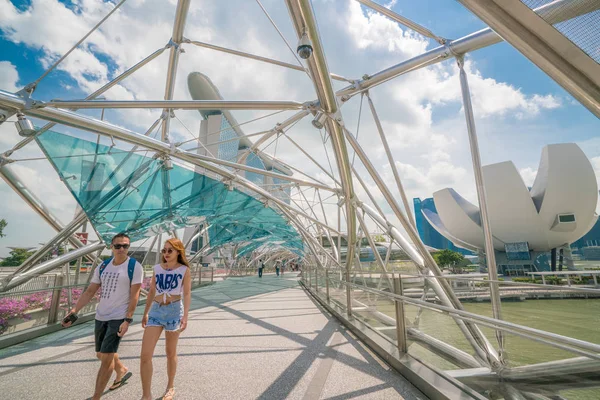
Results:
[131, 269]
[103, 266]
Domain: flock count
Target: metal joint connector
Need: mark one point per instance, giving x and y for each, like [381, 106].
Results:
[167, 163]
[172, 43]
[229, 183]
[5, 160]
[27, 90]
[309, 106]
[450, 51]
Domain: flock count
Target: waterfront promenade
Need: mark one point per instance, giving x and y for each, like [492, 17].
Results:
[247, 338]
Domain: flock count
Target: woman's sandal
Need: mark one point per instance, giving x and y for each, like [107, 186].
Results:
[169, 394]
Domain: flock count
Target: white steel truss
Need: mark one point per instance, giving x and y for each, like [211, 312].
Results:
[357, 218]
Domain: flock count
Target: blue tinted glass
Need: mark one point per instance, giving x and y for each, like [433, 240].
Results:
[127, 192]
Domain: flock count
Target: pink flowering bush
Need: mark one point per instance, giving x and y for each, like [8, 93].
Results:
[11, 308]
[146, 283]
[18, 308]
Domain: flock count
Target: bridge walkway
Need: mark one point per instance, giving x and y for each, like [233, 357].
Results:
[247, 338]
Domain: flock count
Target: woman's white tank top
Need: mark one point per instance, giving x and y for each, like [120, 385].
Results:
[169, 282]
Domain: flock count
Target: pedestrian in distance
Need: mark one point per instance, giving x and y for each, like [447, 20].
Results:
[277, 266]
[167, 308]
[120, 278]
[261, 265]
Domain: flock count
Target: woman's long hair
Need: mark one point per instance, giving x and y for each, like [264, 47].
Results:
[180, 248]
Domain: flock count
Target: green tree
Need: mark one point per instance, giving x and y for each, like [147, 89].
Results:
[16, 257]
[449, 259]
[379, 238]
[3, 224]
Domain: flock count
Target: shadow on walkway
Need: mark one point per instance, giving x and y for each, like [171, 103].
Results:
[246, 338]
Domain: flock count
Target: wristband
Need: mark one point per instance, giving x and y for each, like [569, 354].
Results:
[129, 320]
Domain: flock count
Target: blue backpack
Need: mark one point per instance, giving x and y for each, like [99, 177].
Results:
[130, 267]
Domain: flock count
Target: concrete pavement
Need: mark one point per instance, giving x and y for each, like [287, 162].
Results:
[247, 338]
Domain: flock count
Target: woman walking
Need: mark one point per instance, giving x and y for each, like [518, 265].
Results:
[171, 283]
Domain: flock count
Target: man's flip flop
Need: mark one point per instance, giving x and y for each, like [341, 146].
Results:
[121, 382]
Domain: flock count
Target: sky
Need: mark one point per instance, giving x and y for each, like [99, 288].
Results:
[518, 108]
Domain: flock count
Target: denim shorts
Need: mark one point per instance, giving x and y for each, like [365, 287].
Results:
[168, 316]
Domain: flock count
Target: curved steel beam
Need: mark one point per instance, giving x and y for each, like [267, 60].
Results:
[179, 104]
[305, 23]
[557, 11]
[90, 124]
[52, 264]
[178, 26]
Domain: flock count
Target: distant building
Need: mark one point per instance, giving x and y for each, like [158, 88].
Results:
[526, 223]
[222, 137]
[427, 233]
[590, 239]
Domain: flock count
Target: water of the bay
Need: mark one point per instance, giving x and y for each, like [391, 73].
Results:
[576, 318]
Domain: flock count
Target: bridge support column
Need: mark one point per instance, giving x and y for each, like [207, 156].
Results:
[327, 284]
[55, 302]
[400, 322]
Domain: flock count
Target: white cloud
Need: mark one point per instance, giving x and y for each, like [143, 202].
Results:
[9, 77]
[528, 174]
[441, 85]
[431, 154]
[379, 32]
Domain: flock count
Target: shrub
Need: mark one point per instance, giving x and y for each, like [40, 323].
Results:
[524, 280]
[11, 308]
[146, 283]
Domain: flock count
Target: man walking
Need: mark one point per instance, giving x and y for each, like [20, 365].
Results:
[120, 278]
[261, 265]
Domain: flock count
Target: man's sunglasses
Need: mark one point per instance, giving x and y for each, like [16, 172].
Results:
[120, 246]
[167, 251]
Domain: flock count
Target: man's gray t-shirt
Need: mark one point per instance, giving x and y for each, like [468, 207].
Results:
[115, 289]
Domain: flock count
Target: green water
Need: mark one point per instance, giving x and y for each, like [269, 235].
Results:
[576, 318]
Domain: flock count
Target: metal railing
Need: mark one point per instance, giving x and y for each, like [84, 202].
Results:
[325, 285]
[44, 300]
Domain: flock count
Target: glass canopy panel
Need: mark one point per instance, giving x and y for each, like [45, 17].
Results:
[126, 191]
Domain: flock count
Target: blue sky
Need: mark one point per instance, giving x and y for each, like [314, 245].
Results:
[518, 108]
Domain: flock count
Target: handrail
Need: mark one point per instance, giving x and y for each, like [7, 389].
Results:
[486, 280]
[48, 289]
[577, 346]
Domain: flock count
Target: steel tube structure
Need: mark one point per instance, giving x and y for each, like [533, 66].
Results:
[542, 377]
[371, 242]
[479, 342]
[402, 20]
[52, 264]
[177, 38]
[490, 253]
[560, 10]
[90, 124]
[543, 45]
[92, 96]
[305, 24]
[390, 158]
[115, 8]
[312, 159]
[34, 202]
[577, 346]
[258, 58]
[178, 104]
[66, 232]
[275, 131]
